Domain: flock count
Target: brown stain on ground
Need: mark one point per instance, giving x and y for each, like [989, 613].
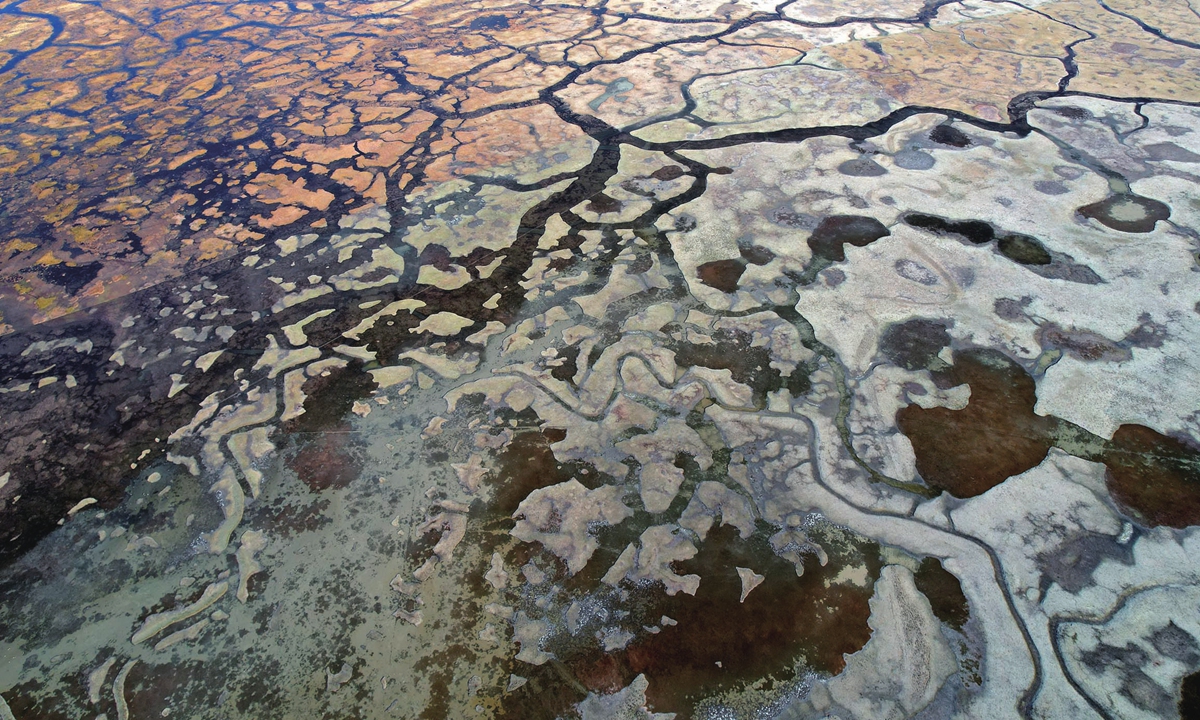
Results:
[997, 435]
[602, 204]
[329, 398]
[549, 693]
[150, 689]
[327, 460]
[1082, 344]
[1154, 477]
[722, 275]
[944, 593]
[326, 455]
[747, 364]
[785, 621]
[668, 173]
[30, 701]
[828, 241]
[525, 465]
[1127, 213]
[947, 134]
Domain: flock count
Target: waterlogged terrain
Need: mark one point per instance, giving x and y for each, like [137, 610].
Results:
[602, 360]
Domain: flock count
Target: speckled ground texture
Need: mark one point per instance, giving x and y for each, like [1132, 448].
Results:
[604, 360]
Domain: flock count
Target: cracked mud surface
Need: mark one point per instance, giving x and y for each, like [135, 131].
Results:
[608, 360]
